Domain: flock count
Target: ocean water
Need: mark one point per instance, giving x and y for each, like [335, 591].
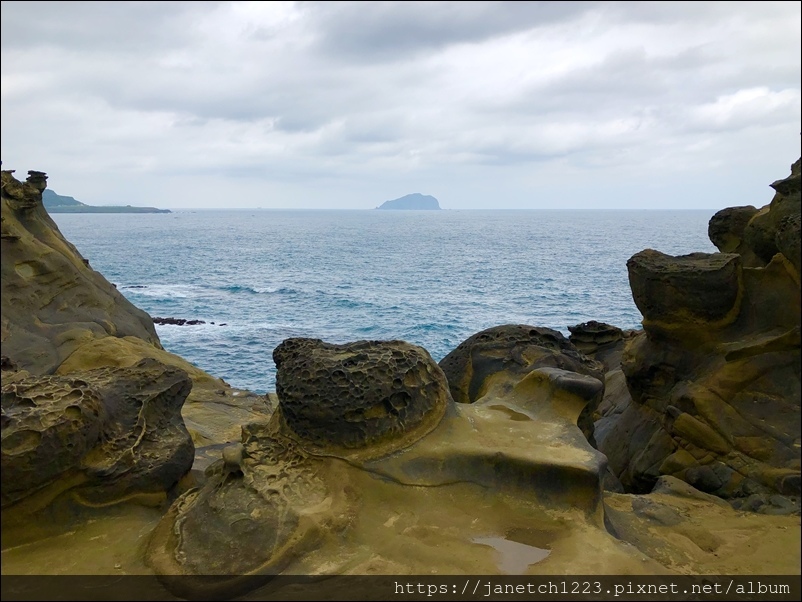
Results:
[430, 278]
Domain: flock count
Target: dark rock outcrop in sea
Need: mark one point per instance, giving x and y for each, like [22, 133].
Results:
[715, 377]
[177, 321]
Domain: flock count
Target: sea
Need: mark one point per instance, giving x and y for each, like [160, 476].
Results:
[432, 278]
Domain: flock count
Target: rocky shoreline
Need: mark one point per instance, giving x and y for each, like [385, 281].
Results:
[669, 450]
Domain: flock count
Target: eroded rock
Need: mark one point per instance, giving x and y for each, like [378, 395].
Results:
[106, 434]
[715, 378]
[507, 353]
[327, 472]
[700, 288]
[357, 394]
[52, 301]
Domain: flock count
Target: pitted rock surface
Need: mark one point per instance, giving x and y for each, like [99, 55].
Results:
[115, 431]
[356, 394]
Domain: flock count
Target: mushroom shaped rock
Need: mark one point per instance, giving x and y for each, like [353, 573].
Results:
[715, 377]
[696, 289]
[343, 480]
[288, 487]
[366, 394]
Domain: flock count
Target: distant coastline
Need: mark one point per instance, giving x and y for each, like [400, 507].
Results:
[57, 203]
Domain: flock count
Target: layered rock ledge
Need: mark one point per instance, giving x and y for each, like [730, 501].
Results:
[714, 380]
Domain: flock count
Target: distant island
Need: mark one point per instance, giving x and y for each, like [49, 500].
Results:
[412, 201]
[57, 203]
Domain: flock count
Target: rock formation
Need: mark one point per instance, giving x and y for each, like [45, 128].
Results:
[349, 414]
[92, 404]
[715, 377]
[357, 394]
[53, 301]
[514, 351]
[369, 467]
[106, 434]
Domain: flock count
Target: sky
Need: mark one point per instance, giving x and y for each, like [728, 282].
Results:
[484, 105]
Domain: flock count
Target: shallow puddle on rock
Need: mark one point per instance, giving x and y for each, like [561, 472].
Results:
[513, 557]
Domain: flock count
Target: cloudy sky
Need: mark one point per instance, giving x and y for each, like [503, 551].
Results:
[664, 105]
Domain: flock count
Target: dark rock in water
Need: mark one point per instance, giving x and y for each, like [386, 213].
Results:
[178, 321]
[415, 201]
[715, 378]
[359, 393]
[107, 434]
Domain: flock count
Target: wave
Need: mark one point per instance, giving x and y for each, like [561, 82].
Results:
[163, 291]
[255, 290]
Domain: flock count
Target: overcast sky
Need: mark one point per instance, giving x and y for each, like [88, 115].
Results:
[665, 105]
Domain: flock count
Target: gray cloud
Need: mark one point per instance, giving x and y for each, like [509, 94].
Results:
[392, 31]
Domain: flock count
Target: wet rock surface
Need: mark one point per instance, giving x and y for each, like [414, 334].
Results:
[177, 321]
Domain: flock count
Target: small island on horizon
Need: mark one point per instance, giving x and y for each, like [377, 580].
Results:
[414, 201]
[57, 203]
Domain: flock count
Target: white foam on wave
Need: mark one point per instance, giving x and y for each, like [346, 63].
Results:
[163, 291]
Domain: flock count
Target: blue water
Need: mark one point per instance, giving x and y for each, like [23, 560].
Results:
[430, 278]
